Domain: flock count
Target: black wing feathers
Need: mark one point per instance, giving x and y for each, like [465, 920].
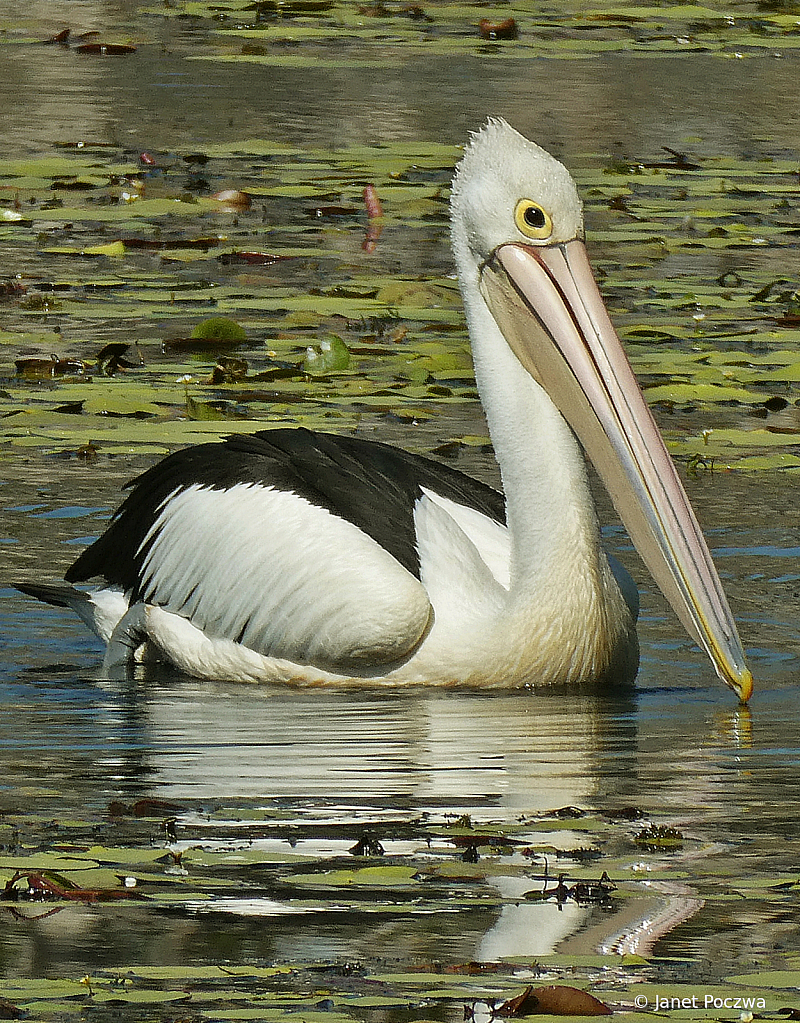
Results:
[373, 485]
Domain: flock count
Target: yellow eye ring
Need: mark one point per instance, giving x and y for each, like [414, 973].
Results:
[532, 220]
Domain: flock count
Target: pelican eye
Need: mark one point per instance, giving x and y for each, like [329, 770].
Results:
[532, 220]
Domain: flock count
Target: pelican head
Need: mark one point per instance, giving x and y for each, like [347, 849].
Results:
[527, 285]
[507, 187]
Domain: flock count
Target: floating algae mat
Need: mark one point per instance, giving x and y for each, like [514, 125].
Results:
[377, 36]
[331, 266]
[123, 267]
[161, 872]
[179, 852]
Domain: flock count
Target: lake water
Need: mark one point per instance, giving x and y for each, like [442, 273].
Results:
[677, 748]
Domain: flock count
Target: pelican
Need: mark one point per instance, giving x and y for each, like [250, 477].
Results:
[314, 559]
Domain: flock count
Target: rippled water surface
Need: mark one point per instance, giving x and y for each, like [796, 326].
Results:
[306, 773]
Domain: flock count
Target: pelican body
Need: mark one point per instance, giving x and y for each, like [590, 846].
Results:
[315, 559]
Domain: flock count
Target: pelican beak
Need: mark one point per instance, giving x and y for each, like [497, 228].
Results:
[546, 302]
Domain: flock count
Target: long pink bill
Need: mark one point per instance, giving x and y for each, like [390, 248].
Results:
[547, 304]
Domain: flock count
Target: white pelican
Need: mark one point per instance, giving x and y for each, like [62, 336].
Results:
[321, 560]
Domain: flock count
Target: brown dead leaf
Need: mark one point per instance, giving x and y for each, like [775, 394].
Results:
[473, 968]
[42, 885]
[253, 258]
[498, 29]
[233, 198]
[106, 49]
[556, 1000]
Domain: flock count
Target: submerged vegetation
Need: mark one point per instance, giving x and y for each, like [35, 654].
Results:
[312, 256]
[288, 32]
[153, 862]
[296, 307]
[150, 299]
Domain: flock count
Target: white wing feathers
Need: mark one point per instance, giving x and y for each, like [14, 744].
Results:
[287, 579]
[490, 538]
[463, 566]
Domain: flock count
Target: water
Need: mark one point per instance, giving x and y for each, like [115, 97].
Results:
[329, 765]
[250, 765]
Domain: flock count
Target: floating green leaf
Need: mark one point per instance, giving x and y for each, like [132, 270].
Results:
[329, 356]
